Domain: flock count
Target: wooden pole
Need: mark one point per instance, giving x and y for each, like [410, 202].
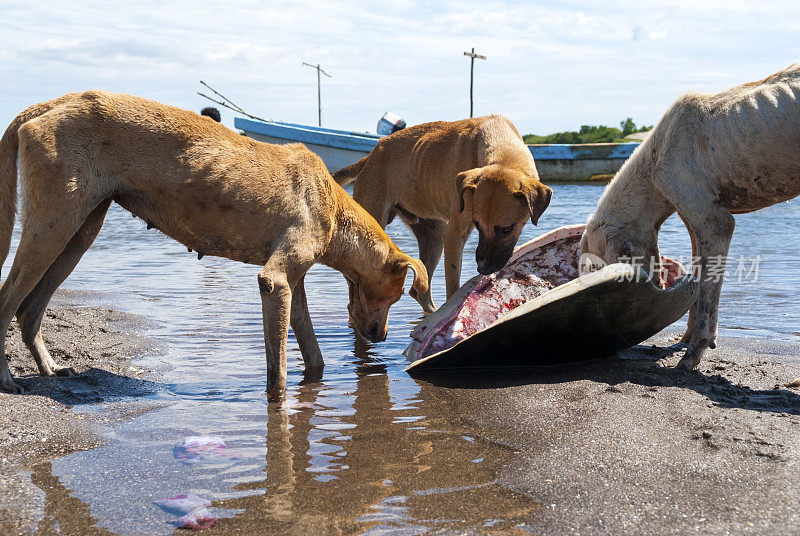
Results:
[319, 98]
[319, 89]
[471, 78]
[472, 57]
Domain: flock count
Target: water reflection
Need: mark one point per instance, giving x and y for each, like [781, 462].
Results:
[359, 467]
[63, 513]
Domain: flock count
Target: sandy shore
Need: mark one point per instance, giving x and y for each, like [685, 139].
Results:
[39, 426]
[631, 446]
[620, 446]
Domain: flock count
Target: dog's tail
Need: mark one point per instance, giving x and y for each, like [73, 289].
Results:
[348, 174]
[9, 145]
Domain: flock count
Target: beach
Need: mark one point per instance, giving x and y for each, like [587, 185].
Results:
[102, 346]
[632, 446]
[625, 445]
[133, 159]
[168, 347]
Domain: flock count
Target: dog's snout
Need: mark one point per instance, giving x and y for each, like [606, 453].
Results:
[485, 267]
[493, 260]
[376, 333]
[379, 337]
[482, 257]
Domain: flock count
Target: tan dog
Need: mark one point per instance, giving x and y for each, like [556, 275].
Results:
[198, 182]
[709, 157]
[444, 179]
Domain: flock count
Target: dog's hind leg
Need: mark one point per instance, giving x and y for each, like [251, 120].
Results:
[31, 311]
[371, 193]
[303, 330]
[712, 228]
[693, 311]
[430, 238]
[47, 230]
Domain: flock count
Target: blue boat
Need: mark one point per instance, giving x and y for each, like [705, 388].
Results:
[340, 148]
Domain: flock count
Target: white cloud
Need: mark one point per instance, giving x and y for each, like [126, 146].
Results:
[551, 66]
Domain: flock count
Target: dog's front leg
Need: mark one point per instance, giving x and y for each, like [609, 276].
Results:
[713, 240]
[303, 329]
[455, 236]
[276, 302]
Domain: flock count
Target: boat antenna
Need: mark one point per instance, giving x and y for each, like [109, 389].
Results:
[223, 97]
[227, 103]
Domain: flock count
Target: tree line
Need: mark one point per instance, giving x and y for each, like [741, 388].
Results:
[590, 134]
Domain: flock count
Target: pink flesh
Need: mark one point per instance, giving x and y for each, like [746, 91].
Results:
[198, 448]
[197, 519]
[194, 509]
[183, 503]
[532, 271]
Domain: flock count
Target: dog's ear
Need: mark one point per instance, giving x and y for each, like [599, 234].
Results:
[420, 273]
[466, 180]
[538, 198]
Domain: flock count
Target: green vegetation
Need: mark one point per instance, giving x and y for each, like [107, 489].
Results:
[590, 134]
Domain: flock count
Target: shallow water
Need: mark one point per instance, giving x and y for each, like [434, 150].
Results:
[367, 449]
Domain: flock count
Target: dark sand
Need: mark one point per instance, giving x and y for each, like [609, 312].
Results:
[40, 426]
[630, 446]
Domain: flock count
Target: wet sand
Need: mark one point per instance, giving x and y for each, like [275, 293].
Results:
[630, 446]
[626, 445]
[100, 345]
[619, 446]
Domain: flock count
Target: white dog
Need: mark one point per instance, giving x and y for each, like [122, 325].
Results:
[709, 157]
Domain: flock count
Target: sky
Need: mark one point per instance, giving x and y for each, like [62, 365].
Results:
[550, 66]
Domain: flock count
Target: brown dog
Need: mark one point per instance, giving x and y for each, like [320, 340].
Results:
[198, 182]
[444, 179]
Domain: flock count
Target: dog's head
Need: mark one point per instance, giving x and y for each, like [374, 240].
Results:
[373, 291]
[502, 200]
[614, 242]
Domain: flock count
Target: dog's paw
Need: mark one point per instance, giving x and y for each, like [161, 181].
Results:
[60, 370]
[691, 358]
[429, 308]
[678, 342]
[687, 362]
[8, 386]
[276, 395]
[694, 353]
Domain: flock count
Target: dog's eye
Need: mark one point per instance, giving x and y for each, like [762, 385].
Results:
[504, 230]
